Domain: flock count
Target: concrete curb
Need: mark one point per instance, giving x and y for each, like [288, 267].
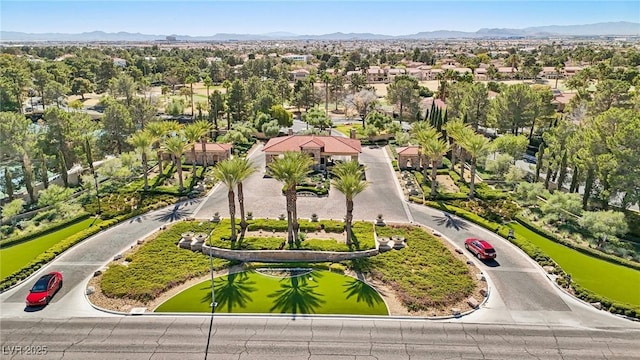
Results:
[373, 317]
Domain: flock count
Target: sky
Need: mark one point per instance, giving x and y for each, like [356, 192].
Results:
[304, 17]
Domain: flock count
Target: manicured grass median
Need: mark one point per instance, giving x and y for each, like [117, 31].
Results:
[619, 283]
[319, 292]
[17, 256]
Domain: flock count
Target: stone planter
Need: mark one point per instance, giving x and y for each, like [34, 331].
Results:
[398, 242]
[249, 216]
[380, 221]
[281, 217]
[384, 244]
[187, 235]
[215, 218]
[200, 237]
[314, 218]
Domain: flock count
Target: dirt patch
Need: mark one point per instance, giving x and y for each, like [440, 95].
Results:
[447, 183]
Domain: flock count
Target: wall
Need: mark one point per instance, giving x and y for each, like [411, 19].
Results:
[286, 255]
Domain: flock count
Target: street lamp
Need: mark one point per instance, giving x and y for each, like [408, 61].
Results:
[213, 302]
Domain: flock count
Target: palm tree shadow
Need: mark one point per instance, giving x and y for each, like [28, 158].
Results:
[362, 292]
[172, 214]
[234, 291]
[297, 295]
[449, 221]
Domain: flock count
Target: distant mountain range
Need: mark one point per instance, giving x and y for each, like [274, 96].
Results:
[599, 29]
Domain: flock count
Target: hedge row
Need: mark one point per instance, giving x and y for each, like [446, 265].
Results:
[20, 239]
[540, 257]
[362, 233]
[583, 249]
[65, 244]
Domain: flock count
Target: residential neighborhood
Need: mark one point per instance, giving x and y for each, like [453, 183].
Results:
[379, 194]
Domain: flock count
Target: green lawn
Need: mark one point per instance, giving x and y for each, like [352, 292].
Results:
[357, 124]
[319, 292]
[15, 257]
[619, 283]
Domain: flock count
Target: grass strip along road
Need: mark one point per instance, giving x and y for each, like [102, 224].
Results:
[617, 282]
[17, 256]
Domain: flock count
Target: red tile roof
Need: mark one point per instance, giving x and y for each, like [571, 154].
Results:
[327, 144]
[213, 147]
[408, 150]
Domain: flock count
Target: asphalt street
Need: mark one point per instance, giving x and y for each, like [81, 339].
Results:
[306, 338]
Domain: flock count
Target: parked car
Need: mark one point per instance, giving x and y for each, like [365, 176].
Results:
[482, 249]
[44, 289]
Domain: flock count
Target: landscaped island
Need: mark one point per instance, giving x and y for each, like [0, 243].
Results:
[425, 278]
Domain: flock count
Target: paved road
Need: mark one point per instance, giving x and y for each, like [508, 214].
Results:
[524, 293]
[80, 262]
[263, 196]
[315, 339]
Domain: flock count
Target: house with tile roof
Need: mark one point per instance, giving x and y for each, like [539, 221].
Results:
[320, 148]
[214, 152]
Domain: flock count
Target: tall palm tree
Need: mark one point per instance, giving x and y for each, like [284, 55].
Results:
[435, 149]
[244, 168]
[513, 61]
[175, 145]
[466, 133]
[454, 133]
[349, 182]
[158, 131]
[142, 141]
[193, 133]
[226, 172]
[476, 145]
[326, 78]
[208, 83]
[191, 80]
[291, 170]
[423, 134]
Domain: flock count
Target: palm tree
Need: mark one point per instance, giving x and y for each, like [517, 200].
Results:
[476, 145]
[243, 168]
[435, 149]
[291, 170]
[193, 133]
[326, 78]
[424, 134]
[158, 131]
[142, 141]
[190, 80]
[466, 133]
[349, 182]
[175, 145]
[454, 132]
[226, 172]
[513, 61]
[208, 83]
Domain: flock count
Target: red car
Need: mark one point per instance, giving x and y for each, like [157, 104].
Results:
[482, 249]
[44, 289]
